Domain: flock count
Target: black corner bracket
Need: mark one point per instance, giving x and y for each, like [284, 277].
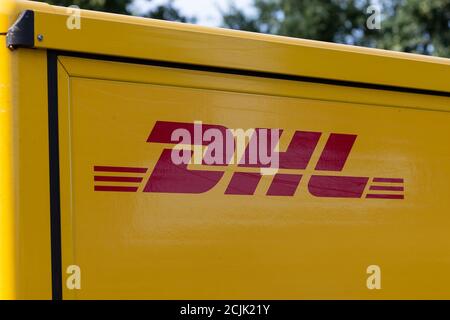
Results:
[21, 33]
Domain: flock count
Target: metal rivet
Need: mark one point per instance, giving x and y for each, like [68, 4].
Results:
[40, 37]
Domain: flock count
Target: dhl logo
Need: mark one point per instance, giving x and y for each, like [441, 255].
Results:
[172, 174]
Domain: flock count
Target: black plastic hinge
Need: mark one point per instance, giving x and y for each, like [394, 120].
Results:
[21, 33]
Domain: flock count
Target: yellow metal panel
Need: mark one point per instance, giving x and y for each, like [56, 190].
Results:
[176, 42]
[32, 175]
[7, 217]
[217, 246]
[66, 174]
[217, 81]
[24, 192]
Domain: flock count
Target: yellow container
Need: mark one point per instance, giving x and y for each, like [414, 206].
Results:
[93, 206]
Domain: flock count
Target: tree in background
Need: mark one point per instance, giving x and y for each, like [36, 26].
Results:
[164, 12]
[326, 20]
[415, 26]
[113, 6]
[419, 26]
[170, 13]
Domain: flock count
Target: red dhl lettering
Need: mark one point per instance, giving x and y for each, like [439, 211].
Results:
[168, 177]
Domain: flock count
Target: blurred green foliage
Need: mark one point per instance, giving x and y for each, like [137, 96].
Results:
[113, 6]
[165, 12]
[421, 26]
